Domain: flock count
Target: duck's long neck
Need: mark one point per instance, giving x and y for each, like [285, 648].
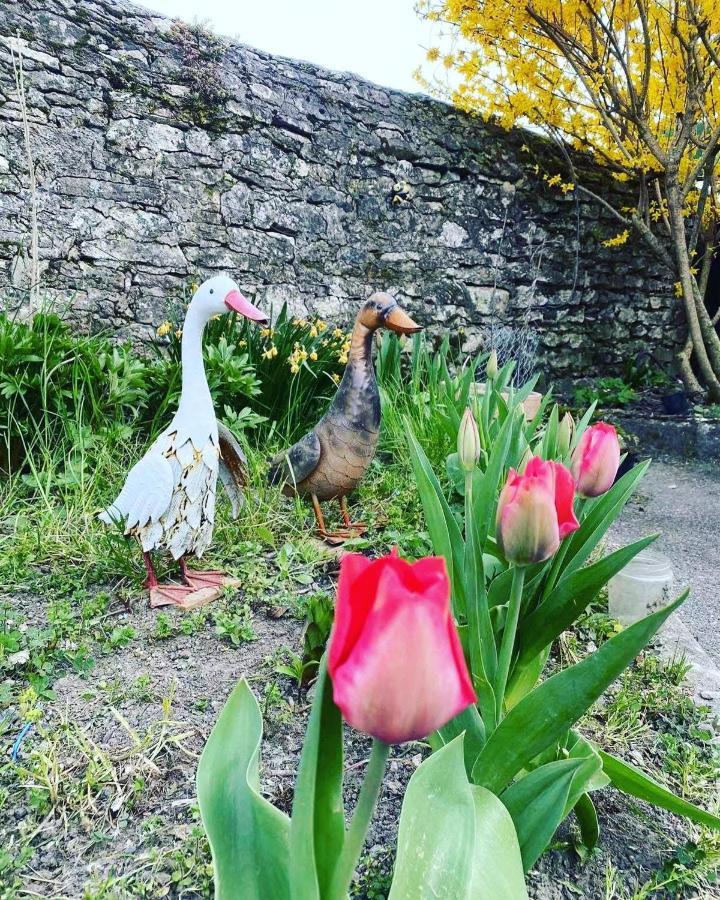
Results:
[195, 399]
[360, 354]
[357, 397]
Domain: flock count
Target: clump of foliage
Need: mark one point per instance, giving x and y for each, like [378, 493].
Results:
[201, 52]
[56, 384]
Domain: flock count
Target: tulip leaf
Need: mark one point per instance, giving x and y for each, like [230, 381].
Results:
[537, 803]
[455, 841]
[628, 778]
[547, 712]
[485, 500]
[600, 516]
[249, 837]
[587, 820]
[569, 598]
[444, 531]
[317, 828]
[469, 723]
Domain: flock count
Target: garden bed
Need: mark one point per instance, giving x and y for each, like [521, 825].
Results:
[106, 705]
[119, 745]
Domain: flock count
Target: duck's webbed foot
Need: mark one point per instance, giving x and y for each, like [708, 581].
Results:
[214, 579]
[197, 589]
[335, 538]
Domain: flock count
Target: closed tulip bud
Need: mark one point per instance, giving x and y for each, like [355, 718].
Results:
[468, 443]
[491, 369]
[596, 460]
[566, 430]
[535, 512]
[394, 657]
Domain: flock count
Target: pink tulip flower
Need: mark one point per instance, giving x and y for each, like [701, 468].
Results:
[395, 660]
[535, 511]
[596, 460]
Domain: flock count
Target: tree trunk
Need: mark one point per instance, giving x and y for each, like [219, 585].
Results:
[706, 346]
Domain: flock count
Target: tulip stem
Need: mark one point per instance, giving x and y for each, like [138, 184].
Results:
[360, 822]
[508, 638]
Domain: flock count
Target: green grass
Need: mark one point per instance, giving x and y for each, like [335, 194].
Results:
[76, 595]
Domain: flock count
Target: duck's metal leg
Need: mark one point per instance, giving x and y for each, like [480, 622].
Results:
[318, 515]
[151, 580]
[163, 594]
[356, 527]
[341, 535]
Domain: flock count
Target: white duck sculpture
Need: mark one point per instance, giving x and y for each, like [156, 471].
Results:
[168, 499]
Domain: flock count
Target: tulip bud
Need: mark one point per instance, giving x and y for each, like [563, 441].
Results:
[394, 657]
[566, 430]
[535, 512]
[596, 460]
[491, 369]
[468, 443]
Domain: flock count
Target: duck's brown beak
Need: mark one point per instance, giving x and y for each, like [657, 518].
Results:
[399, 321]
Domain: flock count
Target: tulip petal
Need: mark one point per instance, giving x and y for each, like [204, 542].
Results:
[564, 500]
[406, 675]
[528, 529]
[352, 607]
[596, 460]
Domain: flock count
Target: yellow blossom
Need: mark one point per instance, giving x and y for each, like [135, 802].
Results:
[178, 333]
[313, 356]
[164, 329]
[336, 377]
[567, 186]
[433, 54]
[618, 240]
[271, 352]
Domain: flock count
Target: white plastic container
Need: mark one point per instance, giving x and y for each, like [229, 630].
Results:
[642, 587]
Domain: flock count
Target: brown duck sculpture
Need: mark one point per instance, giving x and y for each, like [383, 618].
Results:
[331, 459]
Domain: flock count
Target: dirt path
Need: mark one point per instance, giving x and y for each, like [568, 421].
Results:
[682, 501]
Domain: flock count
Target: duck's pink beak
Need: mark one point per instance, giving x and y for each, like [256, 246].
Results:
[235, 300]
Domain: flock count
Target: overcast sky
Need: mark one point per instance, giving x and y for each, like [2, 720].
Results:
[382, 40]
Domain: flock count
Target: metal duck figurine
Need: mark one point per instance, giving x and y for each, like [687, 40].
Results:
[330, 460]
[168, 500]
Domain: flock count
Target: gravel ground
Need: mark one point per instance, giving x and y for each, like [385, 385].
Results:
[682, 500]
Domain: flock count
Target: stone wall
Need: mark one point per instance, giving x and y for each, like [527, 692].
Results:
[164, 154]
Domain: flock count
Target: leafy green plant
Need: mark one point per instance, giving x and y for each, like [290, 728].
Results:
[520, 744]
[607, 393]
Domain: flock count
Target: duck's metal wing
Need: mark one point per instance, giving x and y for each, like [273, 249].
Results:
[233, 468]
[146, 494]
[295, 464]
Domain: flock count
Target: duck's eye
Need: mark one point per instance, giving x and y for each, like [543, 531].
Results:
[212, 290]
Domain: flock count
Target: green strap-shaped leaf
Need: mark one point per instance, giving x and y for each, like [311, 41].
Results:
[569, 598]
[455, 841]
[546, 713]
[631, 780]
[249, 837]
[601, 515]
[471, 724]
[444, 531]
[587, 818]
[537, 804]
[317, 829]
